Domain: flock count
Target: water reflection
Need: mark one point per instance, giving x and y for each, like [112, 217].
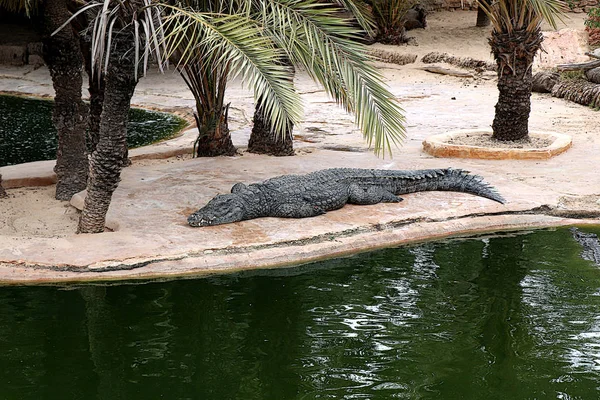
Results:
[512, 317]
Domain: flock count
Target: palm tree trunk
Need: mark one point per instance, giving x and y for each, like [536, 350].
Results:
[63, 57]
[511, 121]
[263, 140]
[593, 75]
[514, 55]
[214, 138]
[96, 90]
[391, 35]
[106, 161]
[208, 89]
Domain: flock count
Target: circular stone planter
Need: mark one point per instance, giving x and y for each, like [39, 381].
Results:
[438, 146]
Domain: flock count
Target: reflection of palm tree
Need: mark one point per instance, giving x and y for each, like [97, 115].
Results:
[106, 348]
[502, 335]
[206, 341]
[275, 334]
[474, 304]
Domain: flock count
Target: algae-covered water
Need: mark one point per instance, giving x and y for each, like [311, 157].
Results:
[27, 133]
[512, 317]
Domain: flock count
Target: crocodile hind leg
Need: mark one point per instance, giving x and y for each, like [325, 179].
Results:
[365, 195]
[297, 210]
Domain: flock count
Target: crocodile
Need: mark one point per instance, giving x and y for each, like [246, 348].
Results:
[300, 196]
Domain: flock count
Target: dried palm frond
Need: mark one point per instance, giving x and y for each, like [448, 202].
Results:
[107, 16]
[543, 82]
[463, 62]
[29, 7]
[579, 91]
[393, 57]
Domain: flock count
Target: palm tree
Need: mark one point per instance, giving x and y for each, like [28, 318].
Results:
[303, 33]
[107, 159]
[116, 30]
[63, 58]
[390, 17]
[263, 138]
[65, 63]
[516, 38]
[194, 61]
[212, 40]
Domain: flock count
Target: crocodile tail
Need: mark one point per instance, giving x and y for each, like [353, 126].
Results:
[458, 180]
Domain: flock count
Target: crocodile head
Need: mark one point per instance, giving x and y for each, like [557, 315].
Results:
[222, 209]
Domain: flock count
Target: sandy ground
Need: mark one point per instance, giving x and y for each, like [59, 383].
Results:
[34, 212]
[433, 104]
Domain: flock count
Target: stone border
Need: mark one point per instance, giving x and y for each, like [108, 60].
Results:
[438, 146]
[41, 173]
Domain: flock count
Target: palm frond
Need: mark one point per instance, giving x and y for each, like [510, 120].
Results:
[29, 7]
[106, 16]
[361, 13]
[508, 16]
[316, 38]
[235, 42]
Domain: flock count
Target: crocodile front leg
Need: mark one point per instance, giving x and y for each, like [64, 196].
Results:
[299, 209]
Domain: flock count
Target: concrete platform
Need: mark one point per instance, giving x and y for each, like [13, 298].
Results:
[148, 214]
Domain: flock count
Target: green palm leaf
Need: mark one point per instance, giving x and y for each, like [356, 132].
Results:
[325, 45]
[516, 15]
[235, 42]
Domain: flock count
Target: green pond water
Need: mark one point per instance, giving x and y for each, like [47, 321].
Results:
[513, 317]
[27, 134]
